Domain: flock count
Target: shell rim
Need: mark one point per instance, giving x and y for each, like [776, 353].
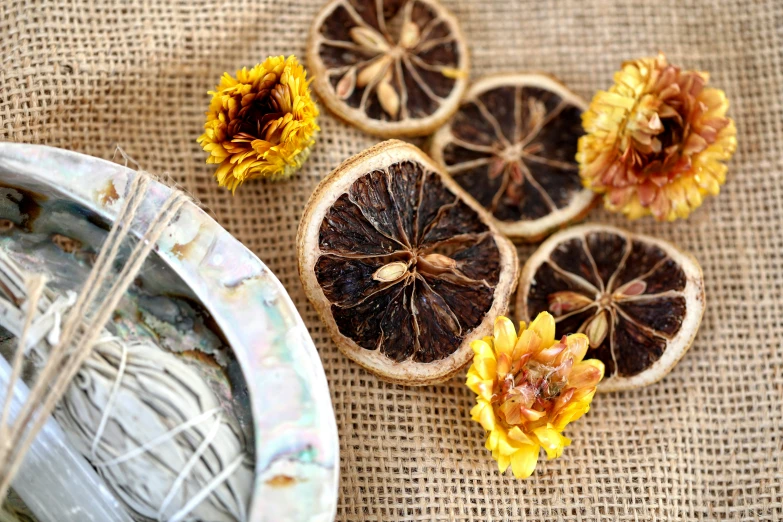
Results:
[30, 161]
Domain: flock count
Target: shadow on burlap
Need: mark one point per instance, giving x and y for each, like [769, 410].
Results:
[704, 444]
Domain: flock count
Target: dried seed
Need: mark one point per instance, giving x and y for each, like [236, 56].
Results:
[369, 39]
[537, 111]
[631, 289]
[391, 272]
[496, 168]
[390, 100]
[346, 84]
[372, 71]
[435, 264]
[440, 261]
[563, 302]
[596, 329]
[410, 35]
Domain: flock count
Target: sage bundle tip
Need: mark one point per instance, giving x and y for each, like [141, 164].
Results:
[261, 123]
[529, 388]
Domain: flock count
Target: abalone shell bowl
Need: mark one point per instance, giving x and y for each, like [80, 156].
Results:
[287, 399]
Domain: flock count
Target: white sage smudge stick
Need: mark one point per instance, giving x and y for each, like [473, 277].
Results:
[147, 420]
[74, 492]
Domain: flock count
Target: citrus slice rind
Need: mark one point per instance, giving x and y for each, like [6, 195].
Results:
[402, 269]
[392, 68]
[512, 145]
[639, 299]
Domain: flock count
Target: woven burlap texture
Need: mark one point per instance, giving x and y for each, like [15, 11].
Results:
[704, 444]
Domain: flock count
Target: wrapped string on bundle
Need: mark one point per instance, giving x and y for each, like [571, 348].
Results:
[146, 419]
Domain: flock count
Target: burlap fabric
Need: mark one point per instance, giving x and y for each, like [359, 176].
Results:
[704, 444]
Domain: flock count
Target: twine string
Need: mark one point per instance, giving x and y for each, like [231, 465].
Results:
[73, 330]
[103, 263]
[75, 340]
[69, 353]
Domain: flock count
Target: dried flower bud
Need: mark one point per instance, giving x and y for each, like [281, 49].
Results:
[262, 123]
[656, 141]
[528, 389]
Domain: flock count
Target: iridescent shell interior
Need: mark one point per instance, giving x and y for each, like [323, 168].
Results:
[61, 238]
[201, 296]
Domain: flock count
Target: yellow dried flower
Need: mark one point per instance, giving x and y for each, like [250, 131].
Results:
[528, 389]
[260, 124]
[656, 141]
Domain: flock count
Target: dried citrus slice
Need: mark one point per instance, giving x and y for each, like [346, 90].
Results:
[512, 147]
[390, 67]
[638, 299]
[403, 270]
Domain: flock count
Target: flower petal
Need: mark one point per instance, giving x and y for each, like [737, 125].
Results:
[551, 440]
[485, 366]
[544, 326]
[518, 436]
[577, 345]
[586, 374]
[505, 337]
[523, 461]
[478, 385]
[570, 413]
[529, 342]
[482, 349]
[492, 440]
[503, 463]
[484, 414]
[504, 446]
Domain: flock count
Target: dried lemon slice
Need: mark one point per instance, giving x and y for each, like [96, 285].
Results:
[512, 147]
[390, 67]
[403, 270]
[638, 299]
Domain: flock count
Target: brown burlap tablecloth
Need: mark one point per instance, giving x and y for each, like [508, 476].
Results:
[704, 444]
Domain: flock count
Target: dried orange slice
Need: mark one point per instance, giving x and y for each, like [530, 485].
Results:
[512, 147]
[638, 299]
[390, 67]
[403, 270]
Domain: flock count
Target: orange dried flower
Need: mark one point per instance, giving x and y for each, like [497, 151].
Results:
[529, 388]
[261, 123]
[656, 141]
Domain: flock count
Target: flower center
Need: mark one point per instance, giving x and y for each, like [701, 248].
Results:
[262, 118]
[530, 390]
